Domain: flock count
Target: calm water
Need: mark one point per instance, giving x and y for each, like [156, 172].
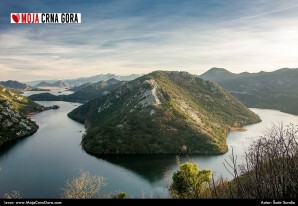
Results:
[39, 165]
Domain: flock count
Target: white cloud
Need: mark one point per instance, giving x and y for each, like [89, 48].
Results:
[262, 41]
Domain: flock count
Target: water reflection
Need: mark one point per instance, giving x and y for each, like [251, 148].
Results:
[149, 167]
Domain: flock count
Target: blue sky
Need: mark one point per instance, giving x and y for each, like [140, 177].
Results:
[140, 36]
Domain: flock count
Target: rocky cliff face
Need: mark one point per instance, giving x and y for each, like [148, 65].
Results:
[14, 109]
[13, 125]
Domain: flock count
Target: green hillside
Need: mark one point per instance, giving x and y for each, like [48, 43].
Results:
[268, 90]
[162, 113]
[13, 110]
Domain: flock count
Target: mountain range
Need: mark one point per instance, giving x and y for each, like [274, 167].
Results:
[268, 90]
[162, 113]
[92, 79]
[15, 85]
[83, 94]
[58, 83]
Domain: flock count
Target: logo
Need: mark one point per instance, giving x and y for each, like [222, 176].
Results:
[45, 18]
[15, 17]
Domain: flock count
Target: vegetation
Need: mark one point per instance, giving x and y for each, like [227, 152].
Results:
[190, 182]
[167, 111]
[86, 186]
[270, 169]
[19, 102]
[269, 90]
[269, 172]
[13, 195]
[13, 110]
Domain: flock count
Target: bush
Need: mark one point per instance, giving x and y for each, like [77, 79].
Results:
[13, 195]
[270, 169]
[189, 181]
[86, 186]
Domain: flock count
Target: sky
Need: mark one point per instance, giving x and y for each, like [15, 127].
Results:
[139, 36]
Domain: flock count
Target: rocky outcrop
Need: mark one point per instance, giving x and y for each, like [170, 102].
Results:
[13, 125]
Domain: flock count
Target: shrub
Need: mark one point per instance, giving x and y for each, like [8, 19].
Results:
[189, 181]
[270, 169]
[86, 186]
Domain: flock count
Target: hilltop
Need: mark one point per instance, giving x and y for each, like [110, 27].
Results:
[162, 113]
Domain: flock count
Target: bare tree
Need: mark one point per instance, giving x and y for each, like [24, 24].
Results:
[86, 186]
[270, 169]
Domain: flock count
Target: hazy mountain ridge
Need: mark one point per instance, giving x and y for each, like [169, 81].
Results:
[83, 94]
[92, 79]
[269, 90]
[58, 83]
[18, 86]
[82, 86]
[162, 112]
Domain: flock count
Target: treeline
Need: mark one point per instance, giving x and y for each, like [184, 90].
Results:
[270, 171]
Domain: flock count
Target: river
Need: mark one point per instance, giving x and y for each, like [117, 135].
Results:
[38, 166]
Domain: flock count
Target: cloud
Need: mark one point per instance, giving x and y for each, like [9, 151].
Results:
[131, 37]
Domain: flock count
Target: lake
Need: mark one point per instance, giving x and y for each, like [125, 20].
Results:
[38, 166]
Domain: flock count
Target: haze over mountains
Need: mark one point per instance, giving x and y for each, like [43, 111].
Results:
[269, 90]
[84, 92]
[59, 83]
[160, 113]
[82, 80]
[17, 85]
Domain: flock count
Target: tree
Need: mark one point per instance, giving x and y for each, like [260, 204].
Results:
[86, 186]
[13, 195]
[189, 181]
[270, 169]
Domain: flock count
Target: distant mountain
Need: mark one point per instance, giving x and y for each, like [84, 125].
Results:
[162, 113]
[16, 85]
[93, 79]
[97, 78]
[217, 74]
[60, 84]
[83, 95]
[78, 88]
[44, 84]
[13, 111]
[269, 90]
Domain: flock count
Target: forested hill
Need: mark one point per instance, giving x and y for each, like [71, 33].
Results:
[268, 90]
[161, 113]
